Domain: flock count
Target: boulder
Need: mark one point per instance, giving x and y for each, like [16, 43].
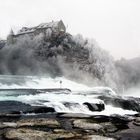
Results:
[124, 103]
[109, 127]
[121, 122]
[74, 115]
[69, 104]
[95, 106]
[16, 107]
[100, 118]
[48, 122]
[29, 134]
[8, 125]
[13, 107]
[42, 109]
[137, 121]
[97, 137]
[84, 124]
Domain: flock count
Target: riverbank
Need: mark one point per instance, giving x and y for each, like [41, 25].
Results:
[69, 126]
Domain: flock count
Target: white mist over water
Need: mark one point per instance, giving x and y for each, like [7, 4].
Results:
[134, 92]
[42, 82]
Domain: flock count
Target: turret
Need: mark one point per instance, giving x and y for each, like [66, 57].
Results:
[10, 37]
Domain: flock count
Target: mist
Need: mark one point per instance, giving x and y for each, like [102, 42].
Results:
[129, 73]
[20, 59]
[73, 57]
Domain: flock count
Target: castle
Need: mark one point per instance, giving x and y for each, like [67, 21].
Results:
[51, 29]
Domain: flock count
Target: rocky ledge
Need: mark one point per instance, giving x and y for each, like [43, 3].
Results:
[46, 124]
[21, 121]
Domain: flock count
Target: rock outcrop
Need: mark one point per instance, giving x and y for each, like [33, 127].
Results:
[127, 103]
[95, 106]
[15, 107]
[50, 127]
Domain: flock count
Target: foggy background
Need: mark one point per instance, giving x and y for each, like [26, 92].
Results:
[115, 24]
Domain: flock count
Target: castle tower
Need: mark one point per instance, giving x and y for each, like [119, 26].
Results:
[10, 37]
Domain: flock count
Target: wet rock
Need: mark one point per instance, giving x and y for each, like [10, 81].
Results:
[8, 125]
[109, 127]
[100, 118]
[9, 117]
[62, 131]
[121, 122]
[23, 134]
[132, 133]
[13, 107]
[137, 115]
[119, 119]
[137, 121]
[84, 124]
[28, 134]
[97, 137]
[59, 131]
[94, 106]
[124, 103]
[48, 122]
[74, 115]
[18, 108]
[69, 104]
[46, 127]
[41, 110]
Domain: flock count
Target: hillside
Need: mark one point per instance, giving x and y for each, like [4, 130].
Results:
[63, 55]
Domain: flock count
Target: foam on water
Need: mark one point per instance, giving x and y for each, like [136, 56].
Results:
[75, 103]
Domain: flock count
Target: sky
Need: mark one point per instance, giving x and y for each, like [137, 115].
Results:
[114, 24]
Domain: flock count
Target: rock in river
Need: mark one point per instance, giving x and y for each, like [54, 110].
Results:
[48, 122]
[84, 124]
[95, 106]
[29, 134]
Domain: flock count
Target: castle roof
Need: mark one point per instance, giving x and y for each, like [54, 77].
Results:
[48, 25]
[25, 30]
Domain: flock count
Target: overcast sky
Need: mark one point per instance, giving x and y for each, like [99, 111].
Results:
[114, 24]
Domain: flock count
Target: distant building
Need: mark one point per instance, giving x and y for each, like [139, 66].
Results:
[48, 30]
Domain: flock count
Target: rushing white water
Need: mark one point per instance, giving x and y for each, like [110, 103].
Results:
[75, 103]
[40, 82]
[65, 101]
